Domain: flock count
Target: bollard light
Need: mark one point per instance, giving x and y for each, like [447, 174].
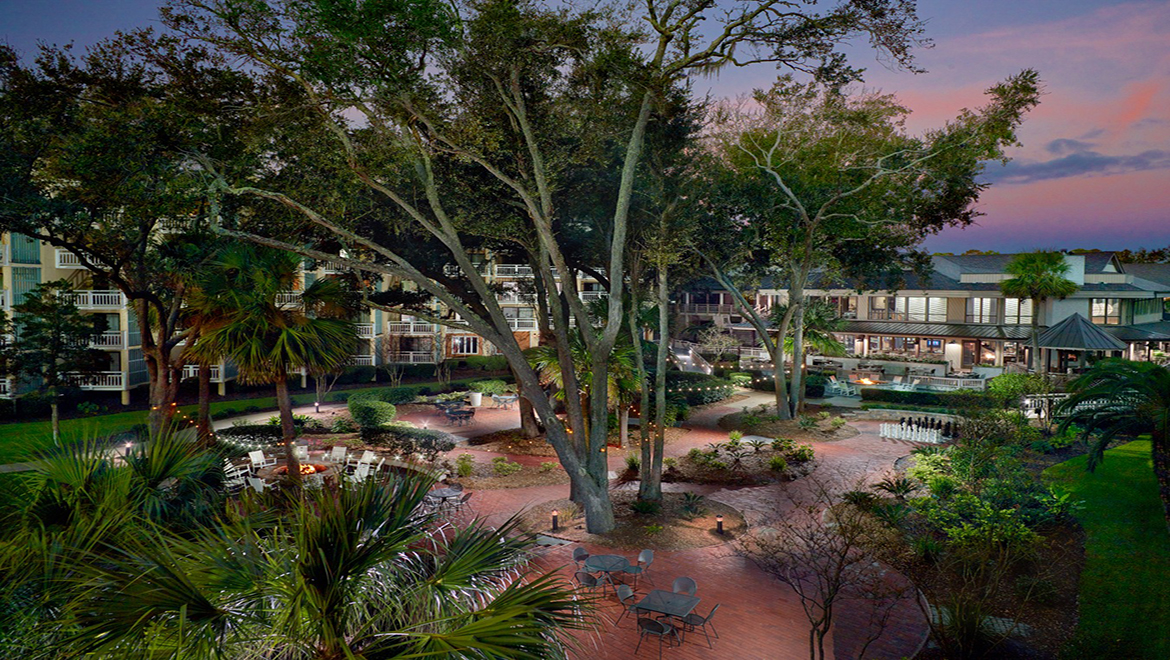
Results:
[556, 519]
[719, 524]
[317, 406]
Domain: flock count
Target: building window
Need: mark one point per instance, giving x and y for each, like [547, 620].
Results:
[981, 310]
[1017, 311]
[464, 345]
[932, 346]
[1106, 311]
[884, 308]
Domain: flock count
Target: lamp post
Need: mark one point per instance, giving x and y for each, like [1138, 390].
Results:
[719, 524]
[555, 520]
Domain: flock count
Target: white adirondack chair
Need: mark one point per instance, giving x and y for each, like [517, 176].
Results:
[259, 460]
[338, 454]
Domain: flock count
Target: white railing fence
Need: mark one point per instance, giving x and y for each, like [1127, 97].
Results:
[411, 357]
[192, 371]
[411, 328]
[912, 433]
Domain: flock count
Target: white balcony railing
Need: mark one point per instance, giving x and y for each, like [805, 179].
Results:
[365, 330]
[289, 299]
[513, 270]
[192, 371]
[522, 324]
[411, 328]
[92, 299]
[100, 380]
[3, 299]
[110, 339]
[411, 357]
[334, 267]
[7, 388]
[362, 360]
[67, 260]
[707, 309]
[594, 295]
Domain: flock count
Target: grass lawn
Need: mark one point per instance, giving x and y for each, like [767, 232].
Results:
[1125, 586]
[19, 440]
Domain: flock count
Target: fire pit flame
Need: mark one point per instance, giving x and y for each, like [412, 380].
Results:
[308, 469]
[866, 381]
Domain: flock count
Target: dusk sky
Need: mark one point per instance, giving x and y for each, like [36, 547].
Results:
[1094, 168]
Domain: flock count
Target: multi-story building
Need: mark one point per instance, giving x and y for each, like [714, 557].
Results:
[958, 314]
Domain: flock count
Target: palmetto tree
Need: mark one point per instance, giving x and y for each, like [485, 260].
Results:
[360, 572]
[242, 321]
[820, 322]
[1037, 276]
[621, 381]
[1123, 398]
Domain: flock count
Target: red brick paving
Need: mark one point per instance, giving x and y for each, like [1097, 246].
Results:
[759, 617]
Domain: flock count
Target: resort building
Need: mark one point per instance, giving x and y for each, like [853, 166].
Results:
[957, 315]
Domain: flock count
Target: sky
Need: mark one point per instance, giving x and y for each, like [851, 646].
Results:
[1093, 169]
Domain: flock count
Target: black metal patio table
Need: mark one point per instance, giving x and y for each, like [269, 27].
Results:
[668, 603]
[607, 564]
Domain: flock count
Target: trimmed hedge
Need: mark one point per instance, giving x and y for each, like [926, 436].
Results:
[958, 399]
[369, 411]
[489, 387]
[486, 362]
[706, 388]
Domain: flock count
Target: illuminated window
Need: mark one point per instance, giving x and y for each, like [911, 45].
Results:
[1106, 311]
[1017, 311]
[465, 345]
[981, 310]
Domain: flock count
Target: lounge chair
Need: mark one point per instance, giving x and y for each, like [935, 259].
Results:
[367, 457]
[257, 485]
[337, 455]
[259, 460]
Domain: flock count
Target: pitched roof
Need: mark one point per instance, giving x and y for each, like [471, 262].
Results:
[1076, 333]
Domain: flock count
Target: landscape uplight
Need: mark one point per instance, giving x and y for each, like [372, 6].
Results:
[555, 520]
[719, 524]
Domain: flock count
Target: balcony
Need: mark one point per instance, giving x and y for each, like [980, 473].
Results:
[113, 339]
[362, 360]
[706, 309]
[66, 260]
[7, 388]
[3, 299]
[288, 299]
[522, 324]
[411, 328]
[94, 299]
[411, 357]
[365, 330]
[100, 380]
[513, 270]
[334, 268]
[192, 371]
[589, 296]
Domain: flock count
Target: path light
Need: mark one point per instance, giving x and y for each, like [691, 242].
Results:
[719, 524]
[556, 519]
[317, 406]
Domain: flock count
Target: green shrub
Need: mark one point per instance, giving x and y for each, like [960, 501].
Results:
[633, 463]
[549, 466]
[899, 487]
[299, 421]
[464, 465]
[408, 440]
[777, 464]
[757, 445]
[893, 515]
[502, 467]
[801, 453]
[693, 504]
[740, 378]
[488, 387]
[927, 548]
[836, 423]
[942, 486]
[1008, 389]
[823, 415]
[698, 389]
[646, 507]
[652, 530]
[370, 413]
[487, 362]
[959, 399]
[805, 422]
[399, 395]
[734, 437]
[670, 462]
[717, 465]
[225, 413]
[343, 425]
[783, 444]
[862, 499]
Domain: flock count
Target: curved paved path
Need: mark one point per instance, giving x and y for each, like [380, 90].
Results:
[759, 617]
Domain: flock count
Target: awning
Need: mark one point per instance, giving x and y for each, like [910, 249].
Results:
[947, 330]
[1076, 333]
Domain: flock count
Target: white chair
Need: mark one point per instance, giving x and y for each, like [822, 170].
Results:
[338, 454]
[257, 485]
[233, 477]
[301, 452]
[259, 460]
[359, 475]
[843, 389]
[913, 386]
[367, 457]
[378, 467]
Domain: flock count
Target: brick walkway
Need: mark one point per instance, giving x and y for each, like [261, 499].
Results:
[758, 617]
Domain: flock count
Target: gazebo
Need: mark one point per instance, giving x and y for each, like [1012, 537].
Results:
[1077, 333]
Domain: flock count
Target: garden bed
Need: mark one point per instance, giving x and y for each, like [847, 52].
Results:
[502, 473]
[671, 528]
[510, 442]
[766, 423]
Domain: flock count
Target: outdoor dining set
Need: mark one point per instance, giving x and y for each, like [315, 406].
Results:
[666, 615]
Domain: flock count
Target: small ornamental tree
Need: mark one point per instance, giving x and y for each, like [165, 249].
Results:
[51, 345]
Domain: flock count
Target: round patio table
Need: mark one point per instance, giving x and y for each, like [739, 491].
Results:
[607, 564]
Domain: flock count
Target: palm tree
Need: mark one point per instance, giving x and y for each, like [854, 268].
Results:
[621, 379]
[266, 340]
[1037, 276]
[358, 572]
[819, 322]
[1119, 397]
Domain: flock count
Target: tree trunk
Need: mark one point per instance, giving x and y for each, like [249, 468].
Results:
[203, 416]
[653, 490]
[55, 416]
[623, 424]
[798, 350]
[288, 430]
[529, 426]
[1036, 335]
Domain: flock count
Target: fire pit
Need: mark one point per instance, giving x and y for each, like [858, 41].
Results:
[306, 469]
[867, 381]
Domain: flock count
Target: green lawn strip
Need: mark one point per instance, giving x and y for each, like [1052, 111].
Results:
[1125, 585]
[20, 440]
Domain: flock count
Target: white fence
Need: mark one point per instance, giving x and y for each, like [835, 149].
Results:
[192, 371]
[411, 328]
[67, 260]
[110, 339]
[92, 299]
[912, 433]
[513, 270]
[362, 360]
[411, 357]
[101, 380]
[365, 330]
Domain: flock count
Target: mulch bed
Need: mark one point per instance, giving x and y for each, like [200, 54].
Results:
[788, 428]
[484, 478]
[510, 442]
[668, 529]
